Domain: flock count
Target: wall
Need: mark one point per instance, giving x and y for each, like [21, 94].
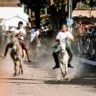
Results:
[9, 3]
[8, 12]
[84, 13]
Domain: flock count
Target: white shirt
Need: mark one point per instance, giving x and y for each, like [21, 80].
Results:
[34, 34]
[46, 29]
[63, 35]
[16, 30]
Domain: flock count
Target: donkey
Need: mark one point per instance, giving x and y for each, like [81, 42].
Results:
[16, 54]
[64, 57]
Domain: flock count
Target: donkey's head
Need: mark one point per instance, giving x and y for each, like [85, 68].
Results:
[10, 34]
[63, 46]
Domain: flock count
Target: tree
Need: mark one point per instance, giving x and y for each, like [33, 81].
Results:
[59, 10]
[35, 5]
[90, 3]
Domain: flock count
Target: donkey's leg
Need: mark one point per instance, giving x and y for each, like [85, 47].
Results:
[14, 68]
[66, 68]
[65, 65]
[62, 70]
[17, 68]
[35, 54]
[21, 67]
[62, 65]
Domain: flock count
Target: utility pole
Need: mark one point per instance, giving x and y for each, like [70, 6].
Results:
[70, 9]
[70, 13]
[70, 17]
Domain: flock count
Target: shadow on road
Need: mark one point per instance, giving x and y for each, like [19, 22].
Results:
[89, 82]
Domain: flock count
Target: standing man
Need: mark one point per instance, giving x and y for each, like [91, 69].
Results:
[20, 33]
[64, 35]
[81, 27]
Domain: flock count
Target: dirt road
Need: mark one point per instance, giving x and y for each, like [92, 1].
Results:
[40, 80]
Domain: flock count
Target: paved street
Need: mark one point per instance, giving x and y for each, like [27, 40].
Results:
[40, 80]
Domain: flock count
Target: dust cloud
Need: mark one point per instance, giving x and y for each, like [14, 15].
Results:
[46, 62]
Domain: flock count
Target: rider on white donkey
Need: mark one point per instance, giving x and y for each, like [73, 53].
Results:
[63, 35]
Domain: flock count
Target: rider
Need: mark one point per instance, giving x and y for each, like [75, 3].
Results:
[20, 33]
[65, 36]
[35, 35]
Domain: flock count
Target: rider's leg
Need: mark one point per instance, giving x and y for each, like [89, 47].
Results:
[28, 55]
[9, 45]
[26, 50]
[70, 52]
[56, 59]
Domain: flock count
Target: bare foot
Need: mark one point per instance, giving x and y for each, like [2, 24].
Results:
[29, 61]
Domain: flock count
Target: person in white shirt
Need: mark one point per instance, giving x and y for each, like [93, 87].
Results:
[34, 33]
[20, 33]
[34, 40]
[63, 35]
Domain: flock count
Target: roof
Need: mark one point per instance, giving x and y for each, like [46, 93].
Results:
[13, 21]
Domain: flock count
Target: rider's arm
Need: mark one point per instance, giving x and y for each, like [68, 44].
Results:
[21, 34]
[58, 37]
[70, 37]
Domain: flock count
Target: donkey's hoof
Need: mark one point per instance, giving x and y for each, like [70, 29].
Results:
[22, 73]
[14, 74]
[19, 73]
[68, 79]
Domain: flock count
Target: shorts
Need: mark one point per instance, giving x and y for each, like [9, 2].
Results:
[22, 44]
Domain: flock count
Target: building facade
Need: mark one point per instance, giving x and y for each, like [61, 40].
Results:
[12, 13]
[9, 3]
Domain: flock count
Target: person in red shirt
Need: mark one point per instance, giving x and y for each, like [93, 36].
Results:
[80, 25]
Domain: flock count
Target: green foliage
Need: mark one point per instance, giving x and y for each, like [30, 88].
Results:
[35, 4]
[91, 3]
[58, 3]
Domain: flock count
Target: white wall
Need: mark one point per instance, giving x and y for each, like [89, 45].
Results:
[14, 21]
[8, 12]
[12, 15]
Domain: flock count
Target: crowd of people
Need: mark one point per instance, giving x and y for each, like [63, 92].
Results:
[86, 39]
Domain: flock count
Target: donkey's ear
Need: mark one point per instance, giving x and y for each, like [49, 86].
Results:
[10, 33]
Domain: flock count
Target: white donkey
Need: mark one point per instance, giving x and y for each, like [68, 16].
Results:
[64, 57]
[16, 54]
